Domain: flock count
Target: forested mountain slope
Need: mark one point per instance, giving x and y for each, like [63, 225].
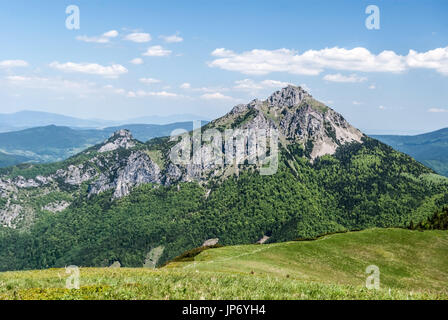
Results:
[431, 148]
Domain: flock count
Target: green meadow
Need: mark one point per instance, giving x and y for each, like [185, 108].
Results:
[412, 264]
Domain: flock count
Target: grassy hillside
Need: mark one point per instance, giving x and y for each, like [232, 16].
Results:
[408, 260]
[431, 148]
[413, 265]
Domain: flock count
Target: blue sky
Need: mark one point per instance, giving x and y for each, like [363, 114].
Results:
[140, 58]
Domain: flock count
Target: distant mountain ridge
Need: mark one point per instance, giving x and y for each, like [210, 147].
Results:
[55, 143]
[30, 119]
[430, 148]
[7, 160]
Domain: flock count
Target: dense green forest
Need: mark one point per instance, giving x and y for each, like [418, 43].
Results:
[361, 186]
[430, 148]
[439, 221]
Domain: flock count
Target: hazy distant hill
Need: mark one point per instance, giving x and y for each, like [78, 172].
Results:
[430, 148]
[54, 143]
[7, 160]
[30, 119]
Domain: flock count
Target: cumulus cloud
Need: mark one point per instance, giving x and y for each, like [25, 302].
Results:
[437, 110]
[251, 85]
[91, 68]
[341, 78]
[137, 61]
[149, 80]
[23, 79]
[157, 51]
[104, 38]
[314, 62]
[436, 59]
[185, 85]
[215, 96]
[110, 34]
[138, 37]
[57, 84]
[172, 39]
[13, 64]
[274, 83]
[142, 93]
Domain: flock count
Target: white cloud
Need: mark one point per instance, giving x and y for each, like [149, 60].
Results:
[437, 110]
[357, 103]
[382, 107]
[22, 79]
[372, 87]
[210, 89]
[172, 39]
[112, 89]
[104, 38]
[141, 93]
[251, 85]
[274, 84]
[157, 51]
[110, 34]
[91, 68]
[13, 63]
[314, 62]
[149, 80]
[137, 61]
[305, 87]
[311, 62]
[215, 96]
[247, 84]
[138, 37]
[185, 85]
[33, 82]
[341, 78]
[436, 59]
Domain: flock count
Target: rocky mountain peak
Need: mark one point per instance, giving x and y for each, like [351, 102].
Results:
[288, 96]
[120, 139]
[122, 133]
[298, 118]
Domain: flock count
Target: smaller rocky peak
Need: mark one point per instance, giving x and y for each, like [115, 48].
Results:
[287, 97]
[240, 108]
[120, 139]
[122, 133]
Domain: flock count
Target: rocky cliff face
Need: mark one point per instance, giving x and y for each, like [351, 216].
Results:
[120, 139]
[101, 168]
[126, 173]
[301, 119]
